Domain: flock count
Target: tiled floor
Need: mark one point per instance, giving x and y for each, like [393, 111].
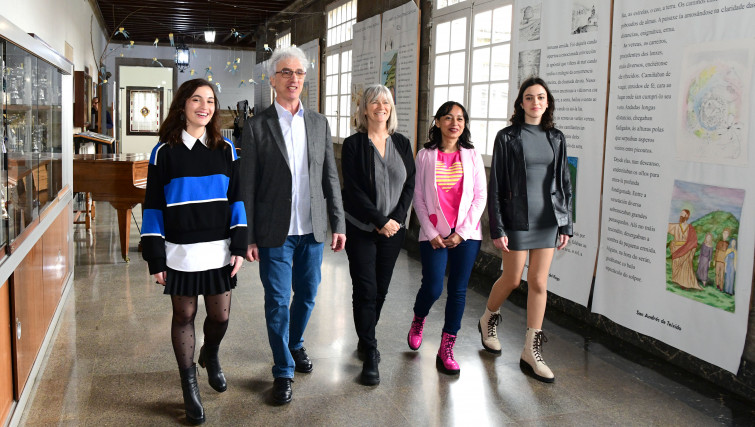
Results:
[111, 362]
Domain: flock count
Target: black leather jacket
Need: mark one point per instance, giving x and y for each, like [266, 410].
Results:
[507, 190]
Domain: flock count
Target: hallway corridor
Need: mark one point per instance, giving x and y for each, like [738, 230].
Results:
[110, 361]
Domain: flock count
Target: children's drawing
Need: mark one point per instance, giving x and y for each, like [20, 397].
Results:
[701, 243]
[714, 106]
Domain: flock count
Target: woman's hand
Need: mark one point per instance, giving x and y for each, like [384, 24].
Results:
[452, 241]
[502, 243]
[236, 262]
[437, 242]
[390, 228]
[160, 277]
[563, 239]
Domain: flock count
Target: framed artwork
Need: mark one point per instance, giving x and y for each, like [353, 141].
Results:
[144, 110]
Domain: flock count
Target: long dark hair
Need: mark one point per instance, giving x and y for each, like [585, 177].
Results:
[435, 137]
[175, 123]
[546, 121]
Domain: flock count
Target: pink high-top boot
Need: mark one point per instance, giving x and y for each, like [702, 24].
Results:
[444, 361]
[414, 339]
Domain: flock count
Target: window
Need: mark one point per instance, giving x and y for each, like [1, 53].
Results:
[450, 62]
[489, 86]
[471, 65]
[338, 93]
[445, 3]
[283, 41]
[341, 18]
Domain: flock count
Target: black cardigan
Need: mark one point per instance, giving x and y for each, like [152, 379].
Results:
[358, 166]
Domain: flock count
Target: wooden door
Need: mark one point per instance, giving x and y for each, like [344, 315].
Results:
[6, 361]
[55, 264]
[28, 326]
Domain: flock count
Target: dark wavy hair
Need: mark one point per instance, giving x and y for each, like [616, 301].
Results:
[546, 122]
[435, 137]
[175, 123]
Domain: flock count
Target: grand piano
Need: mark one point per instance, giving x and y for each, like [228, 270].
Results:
[120, 179]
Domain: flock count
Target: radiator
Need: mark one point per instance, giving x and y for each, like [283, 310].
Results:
[227, 133]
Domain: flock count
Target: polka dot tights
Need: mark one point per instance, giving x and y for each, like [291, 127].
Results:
[182, 326]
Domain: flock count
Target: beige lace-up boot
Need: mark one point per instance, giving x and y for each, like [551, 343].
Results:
[532, 361]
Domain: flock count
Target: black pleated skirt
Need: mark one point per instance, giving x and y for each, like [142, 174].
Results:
[193, 283]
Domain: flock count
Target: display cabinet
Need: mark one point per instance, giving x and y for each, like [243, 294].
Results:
[32, 134]
[35, 206]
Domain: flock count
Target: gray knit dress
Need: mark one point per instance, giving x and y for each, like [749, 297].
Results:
[540, 159]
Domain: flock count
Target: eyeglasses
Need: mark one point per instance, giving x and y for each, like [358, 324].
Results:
[288, 73]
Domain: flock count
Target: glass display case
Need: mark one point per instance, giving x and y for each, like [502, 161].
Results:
[32, 138]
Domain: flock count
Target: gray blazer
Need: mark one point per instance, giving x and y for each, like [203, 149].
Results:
[266, 179]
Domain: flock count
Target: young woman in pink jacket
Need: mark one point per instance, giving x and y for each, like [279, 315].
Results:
[449, 197]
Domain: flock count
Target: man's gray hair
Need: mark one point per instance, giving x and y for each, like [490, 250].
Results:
[282, 54]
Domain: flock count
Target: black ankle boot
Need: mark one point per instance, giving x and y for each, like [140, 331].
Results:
[208, 358]
[370, 373]
[192, 401]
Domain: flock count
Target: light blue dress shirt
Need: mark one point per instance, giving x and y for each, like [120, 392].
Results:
[295, 137]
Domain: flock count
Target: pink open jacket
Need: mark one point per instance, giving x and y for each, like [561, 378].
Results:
[426, 204]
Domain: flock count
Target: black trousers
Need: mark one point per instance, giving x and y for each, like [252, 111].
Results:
[371, 261]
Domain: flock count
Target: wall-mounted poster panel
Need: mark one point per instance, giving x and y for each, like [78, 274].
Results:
[399, 63]
[566, 44]
[310, 93]
[365, 59]
[676, 240]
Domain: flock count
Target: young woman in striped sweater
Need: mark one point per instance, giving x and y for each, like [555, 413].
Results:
[194, 230]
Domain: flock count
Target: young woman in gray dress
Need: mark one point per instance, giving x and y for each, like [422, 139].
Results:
[530, 209]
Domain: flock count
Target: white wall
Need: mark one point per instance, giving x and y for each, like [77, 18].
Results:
[57, 22]
[230, 92]
[148, 77]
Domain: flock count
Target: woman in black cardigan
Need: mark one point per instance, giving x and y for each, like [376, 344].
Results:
[378, 177]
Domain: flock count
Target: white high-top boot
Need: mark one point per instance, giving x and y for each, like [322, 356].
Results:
[488, 330]
[532, 357]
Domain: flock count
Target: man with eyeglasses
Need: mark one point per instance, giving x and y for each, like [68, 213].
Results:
[291, 190]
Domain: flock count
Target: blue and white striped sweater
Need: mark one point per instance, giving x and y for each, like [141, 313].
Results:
[193, 197]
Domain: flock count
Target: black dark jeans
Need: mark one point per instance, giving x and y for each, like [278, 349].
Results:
[371, 261]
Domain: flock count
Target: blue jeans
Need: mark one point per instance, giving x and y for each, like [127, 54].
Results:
[460, 261]
[293, 266]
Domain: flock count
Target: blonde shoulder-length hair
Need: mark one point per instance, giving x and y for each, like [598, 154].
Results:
[371, 93]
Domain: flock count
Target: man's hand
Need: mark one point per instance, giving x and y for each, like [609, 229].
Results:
[252, 253]
[338, 243]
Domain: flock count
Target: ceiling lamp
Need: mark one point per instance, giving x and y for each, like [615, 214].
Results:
[182, 57]
[209, 36]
